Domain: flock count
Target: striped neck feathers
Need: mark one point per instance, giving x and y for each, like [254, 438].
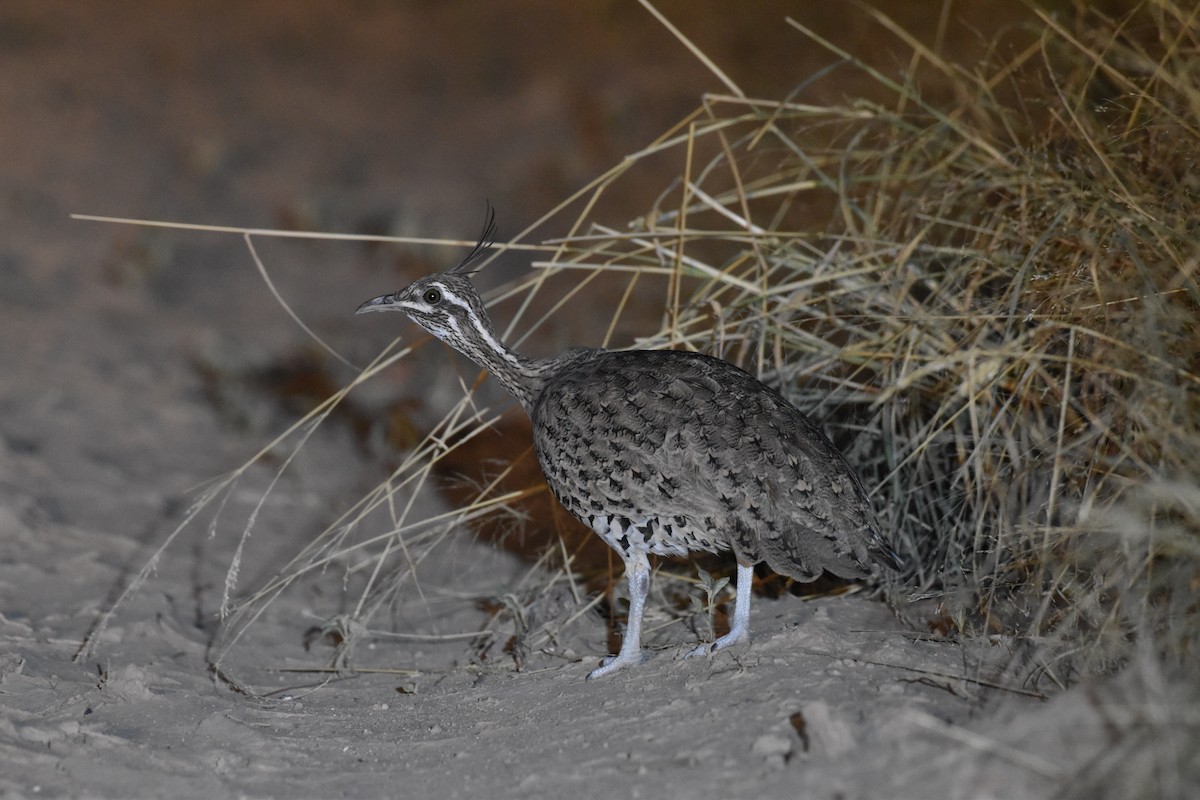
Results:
[449, 307]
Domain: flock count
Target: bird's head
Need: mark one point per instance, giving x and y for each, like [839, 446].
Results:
[447, 304]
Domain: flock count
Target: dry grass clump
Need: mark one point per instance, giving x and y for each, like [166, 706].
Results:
[1042, 383]
[998, 314]
[991, 302]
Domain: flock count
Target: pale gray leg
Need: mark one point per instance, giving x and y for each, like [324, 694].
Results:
[637, 573]
[740, 630]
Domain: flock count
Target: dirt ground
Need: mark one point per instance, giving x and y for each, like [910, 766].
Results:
[384, 117]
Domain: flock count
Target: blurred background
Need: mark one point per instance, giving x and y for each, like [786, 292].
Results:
[391, 117]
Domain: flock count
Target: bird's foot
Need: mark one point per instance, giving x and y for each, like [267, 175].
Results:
[621, 660]
[735, 636]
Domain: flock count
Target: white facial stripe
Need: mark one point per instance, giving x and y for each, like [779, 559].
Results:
[451, 321]
[493, 344]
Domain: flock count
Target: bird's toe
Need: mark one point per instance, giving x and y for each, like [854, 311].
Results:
[735, 636]
[610, 664]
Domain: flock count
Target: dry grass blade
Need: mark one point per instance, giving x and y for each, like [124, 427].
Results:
[1018, 758]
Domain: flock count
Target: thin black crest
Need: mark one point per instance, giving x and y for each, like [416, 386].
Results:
[486, 239]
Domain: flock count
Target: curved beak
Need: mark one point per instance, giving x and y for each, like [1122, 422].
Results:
[385, 302]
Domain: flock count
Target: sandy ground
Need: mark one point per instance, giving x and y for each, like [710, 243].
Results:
[376, 116]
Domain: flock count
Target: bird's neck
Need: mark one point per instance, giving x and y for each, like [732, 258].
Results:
[523, 377]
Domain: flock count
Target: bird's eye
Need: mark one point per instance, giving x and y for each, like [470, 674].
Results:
[432, 297]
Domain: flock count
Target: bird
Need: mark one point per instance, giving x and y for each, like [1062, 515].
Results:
[664, 452]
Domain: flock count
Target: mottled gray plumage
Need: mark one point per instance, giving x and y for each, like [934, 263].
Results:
[716, 459]
[665, 452]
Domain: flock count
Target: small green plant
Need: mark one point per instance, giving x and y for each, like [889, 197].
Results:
[704, 598]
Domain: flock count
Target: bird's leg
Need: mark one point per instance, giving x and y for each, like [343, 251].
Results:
[637, 573]
[740, 630]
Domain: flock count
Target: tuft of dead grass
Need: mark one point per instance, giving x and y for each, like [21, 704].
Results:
[991, 301]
